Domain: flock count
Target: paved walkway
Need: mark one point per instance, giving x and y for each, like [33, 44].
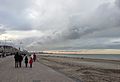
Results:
[39, 73]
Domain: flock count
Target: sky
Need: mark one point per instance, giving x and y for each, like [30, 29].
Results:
[60, 24]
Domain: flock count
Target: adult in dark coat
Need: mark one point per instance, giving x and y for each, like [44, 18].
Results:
[20, 60]
[26, 61]
[16, 57]
[34, 57]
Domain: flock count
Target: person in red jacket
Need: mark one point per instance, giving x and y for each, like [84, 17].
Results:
[30, 62]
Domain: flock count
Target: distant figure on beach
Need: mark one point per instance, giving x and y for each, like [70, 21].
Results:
[16, 57]
[30, 62]
[34, 57]
[20, 60]
[26, 61]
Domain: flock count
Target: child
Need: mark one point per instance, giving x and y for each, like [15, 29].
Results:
[26, 61]
[30, 62]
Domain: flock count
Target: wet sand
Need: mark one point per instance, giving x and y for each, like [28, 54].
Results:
[85, 70]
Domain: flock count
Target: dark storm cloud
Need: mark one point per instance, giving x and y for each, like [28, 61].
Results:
[102, 23]
[65, 24]
[105, 22]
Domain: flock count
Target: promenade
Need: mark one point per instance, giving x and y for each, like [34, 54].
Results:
[39, 72]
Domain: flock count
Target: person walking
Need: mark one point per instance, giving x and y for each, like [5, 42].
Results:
[34, 57]
[26, 61]
[20, 60]
[16, 57]
[30, 62]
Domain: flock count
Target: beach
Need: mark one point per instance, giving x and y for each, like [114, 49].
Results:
[84, 69]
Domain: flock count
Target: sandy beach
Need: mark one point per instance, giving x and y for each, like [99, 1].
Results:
[85, 70]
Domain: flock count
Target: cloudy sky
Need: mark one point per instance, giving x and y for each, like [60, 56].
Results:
[61, 24]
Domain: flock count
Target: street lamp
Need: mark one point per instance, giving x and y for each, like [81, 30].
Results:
[20, 47]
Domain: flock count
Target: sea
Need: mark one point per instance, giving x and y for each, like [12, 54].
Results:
[93, 56]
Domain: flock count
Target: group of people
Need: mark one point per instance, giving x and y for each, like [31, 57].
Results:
[19, 58]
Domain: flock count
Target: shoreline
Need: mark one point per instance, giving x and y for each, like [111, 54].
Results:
[85, 70]
[97, 59]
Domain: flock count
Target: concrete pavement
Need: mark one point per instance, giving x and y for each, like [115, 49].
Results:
[39, 73]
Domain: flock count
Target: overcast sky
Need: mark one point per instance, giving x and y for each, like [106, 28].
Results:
[61, 24]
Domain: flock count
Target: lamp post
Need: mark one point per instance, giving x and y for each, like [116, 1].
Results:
[20, 45]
